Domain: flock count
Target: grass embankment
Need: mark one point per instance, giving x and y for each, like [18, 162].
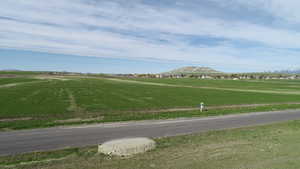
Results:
[273, 146]
[51, 121]
[58, 102]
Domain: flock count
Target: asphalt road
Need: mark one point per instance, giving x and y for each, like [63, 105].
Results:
[17, 142]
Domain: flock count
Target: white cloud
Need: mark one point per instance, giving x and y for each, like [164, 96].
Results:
[100, 28]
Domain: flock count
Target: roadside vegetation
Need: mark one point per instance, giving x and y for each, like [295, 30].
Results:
[272, 146]
[76, 100]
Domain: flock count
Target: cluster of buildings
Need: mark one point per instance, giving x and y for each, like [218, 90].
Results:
[258, 76]
[234, 76]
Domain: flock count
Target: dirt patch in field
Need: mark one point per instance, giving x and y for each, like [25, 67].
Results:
[9, 85]
[9, 76]
[20, 83]
[51, 78]
[15, 119]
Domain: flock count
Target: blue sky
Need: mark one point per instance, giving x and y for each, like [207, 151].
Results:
[139, 36]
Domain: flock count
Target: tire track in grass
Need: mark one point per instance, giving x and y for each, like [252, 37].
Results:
[77, 110]
[73, 107]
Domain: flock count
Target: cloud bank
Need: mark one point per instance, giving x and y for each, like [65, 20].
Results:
[261, 34]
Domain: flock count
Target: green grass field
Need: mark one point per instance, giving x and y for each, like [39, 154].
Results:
[51, 100]
[4, 81]
[48, 102]
[13, 72]
[266, 147]
[275, 85]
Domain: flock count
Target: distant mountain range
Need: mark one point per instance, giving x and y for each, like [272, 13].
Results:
[193, 70]
[296, 71]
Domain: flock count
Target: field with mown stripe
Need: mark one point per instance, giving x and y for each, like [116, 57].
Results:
[4, 81]
[274, 85]
[56, 101]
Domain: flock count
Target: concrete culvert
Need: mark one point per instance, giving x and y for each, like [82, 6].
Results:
[126, 146]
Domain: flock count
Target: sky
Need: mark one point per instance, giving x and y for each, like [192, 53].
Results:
[141, 36]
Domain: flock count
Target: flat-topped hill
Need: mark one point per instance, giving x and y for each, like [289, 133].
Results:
[193, 70]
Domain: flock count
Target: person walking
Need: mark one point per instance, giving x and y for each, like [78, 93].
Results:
[201, 107]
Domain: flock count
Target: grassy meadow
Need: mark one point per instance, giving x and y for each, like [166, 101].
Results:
[51, 101]
[4, 81]
[274, 85]
[271, 146]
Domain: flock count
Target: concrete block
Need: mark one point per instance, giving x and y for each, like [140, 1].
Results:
[126, 146]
